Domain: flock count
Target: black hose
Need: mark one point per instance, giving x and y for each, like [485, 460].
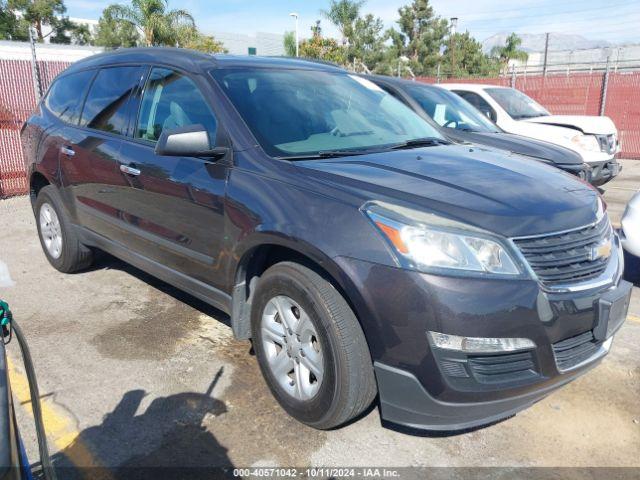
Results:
[45, 460]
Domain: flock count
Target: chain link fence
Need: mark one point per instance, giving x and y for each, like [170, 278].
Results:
[17, 101]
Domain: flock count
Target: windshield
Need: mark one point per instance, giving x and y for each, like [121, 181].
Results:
[517, 104]
[294, 113]
[450, 110]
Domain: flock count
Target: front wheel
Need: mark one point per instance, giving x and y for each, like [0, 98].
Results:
[310, 347]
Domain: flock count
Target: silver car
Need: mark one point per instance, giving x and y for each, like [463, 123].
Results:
[631, 226]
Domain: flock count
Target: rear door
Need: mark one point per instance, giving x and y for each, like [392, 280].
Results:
[46, 134]
[89, 157]
[173, 207]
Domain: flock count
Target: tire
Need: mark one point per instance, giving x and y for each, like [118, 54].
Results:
[70, 255]
[347, 383]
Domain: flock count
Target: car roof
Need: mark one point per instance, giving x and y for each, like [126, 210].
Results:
[397, 81]
[194, 61]
[474, 87]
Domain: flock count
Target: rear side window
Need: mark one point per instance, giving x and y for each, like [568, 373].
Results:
[106, 105]
[172, 100]
[64, 99]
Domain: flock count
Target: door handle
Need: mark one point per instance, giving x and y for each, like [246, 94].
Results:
[67, 151]
[129, 170]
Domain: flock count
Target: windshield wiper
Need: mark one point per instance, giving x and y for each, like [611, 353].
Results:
[327, 154]
[421, 142]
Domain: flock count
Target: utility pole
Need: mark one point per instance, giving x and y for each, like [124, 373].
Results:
[546, 52]
[605, 86]
[452, 34]
[295, 15]
[35, 72]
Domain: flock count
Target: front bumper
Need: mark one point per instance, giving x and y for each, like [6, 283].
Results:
[604, 171]
[422, 386]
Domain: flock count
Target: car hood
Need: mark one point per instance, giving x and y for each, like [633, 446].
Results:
[508, 195]
[521, 145]
[584, 123]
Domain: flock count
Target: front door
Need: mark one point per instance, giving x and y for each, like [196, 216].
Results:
[174, 206]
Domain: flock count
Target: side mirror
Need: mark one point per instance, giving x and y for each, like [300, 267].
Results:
[188, 141]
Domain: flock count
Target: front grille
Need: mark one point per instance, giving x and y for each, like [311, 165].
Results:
[608, 143]
[510, 367]
[574, 350]
[567, 257]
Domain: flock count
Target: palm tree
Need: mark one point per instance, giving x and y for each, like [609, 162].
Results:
[343, 13]
[509, 51]
[159, 25]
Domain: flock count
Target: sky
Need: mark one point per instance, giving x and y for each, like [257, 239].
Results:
[616, 21]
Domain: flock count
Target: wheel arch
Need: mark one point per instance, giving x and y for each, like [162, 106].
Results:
[37, 181]
[256, 259]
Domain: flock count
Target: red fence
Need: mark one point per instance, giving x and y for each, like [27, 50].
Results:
[575, 94]
[581, 94]
[17, 101]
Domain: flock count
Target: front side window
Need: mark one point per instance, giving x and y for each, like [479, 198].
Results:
[106, 105]
[478, 103]
[449, 110]
[517, 104]
[65, 96]
[172, 100]
[309, 112]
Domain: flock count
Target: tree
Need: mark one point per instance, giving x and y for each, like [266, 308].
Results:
[469, 57]
[114, 32]
[66, 31]
[191, 37]
[289, 44]
[367, 44]
[159, 26]
[421, 35]
[509, 51]
[11, 26]
[39, 13]
[322, 48]
[343, 14]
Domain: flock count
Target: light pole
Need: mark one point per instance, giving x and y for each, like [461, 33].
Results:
[295, 15]
[454, 25]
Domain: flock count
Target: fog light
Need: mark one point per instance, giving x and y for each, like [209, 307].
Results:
[479, 344]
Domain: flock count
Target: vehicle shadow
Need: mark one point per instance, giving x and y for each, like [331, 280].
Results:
[106, 261]
[166, 441]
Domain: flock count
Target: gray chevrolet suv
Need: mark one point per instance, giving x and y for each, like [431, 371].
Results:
[363, 254]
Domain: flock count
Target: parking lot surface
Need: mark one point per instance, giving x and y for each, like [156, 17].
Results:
[133, 372]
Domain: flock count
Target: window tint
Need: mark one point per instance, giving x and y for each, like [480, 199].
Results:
[172, 100]
[478, 102]
[66, 94]
[106, 105]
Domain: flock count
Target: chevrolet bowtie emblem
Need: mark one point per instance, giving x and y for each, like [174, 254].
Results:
[602, 250]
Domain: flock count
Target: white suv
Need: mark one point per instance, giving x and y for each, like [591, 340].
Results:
[594, 138]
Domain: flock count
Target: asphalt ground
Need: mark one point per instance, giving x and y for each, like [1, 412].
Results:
[134, 373]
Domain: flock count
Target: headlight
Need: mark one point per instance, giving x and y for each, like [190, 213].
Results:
[427, 242]
[586, 142]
